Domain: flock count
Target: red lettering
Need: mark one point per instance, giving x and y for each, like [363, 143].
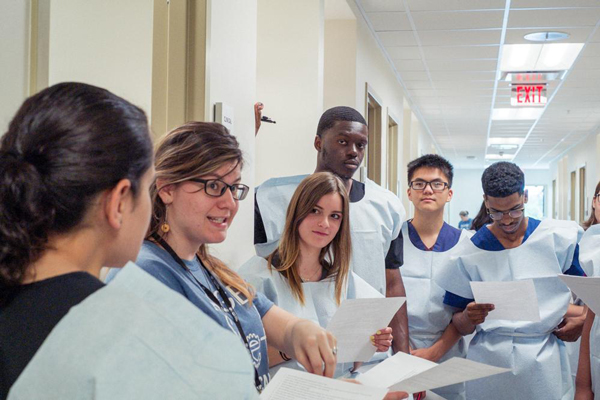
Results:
[519, 95]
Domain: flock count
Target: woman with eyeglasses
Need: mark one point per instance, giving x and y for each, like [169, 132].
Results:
[517, 248]
[196, 196]
[587, 382]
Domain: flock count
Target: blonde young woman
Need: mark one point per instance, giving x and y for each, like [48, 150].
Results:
[195, 199]
[308, 275]
[587, 382]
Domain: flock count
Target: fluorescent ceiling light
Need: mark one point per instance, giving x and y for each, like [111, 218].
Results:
[539, 57]
[498, 156]
[509, 114]
[505, 140]
[504, 147]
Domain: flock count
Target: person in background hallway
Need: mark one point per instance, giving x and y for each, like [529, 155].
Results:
[515, 247]
[465, 221]
[196, 196]
[481, 219]
[309, 273]
[376, 214]
[429, 243]
[587, 382]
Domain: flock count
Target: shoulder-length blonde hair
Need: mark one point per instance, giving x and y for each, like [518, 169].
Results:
[335, 257]
[592, 219]
[190, 151]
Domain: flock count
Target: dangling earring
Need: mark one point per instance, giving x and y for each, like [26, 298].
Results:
[165, 228]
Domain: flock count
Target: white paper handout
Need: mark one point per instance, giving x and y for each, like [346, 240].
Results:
[587, 289]
[513, 300]
[412, 374]
[291, 384]
[356, 321]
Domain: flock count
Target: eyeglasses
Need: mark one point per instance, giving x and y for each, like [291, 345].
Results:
[497, 216]
[436, 186]
[217, 188]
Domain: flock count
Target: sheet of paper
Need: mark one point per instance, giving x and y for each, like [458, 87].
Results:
[291, 384]
[514, 300]
[454, 370]
[395, 369]
[411, 374]
[356, 320]
[587, 289]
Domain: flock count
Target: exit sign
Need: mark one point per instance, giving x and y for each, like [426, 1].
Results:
[528, 95]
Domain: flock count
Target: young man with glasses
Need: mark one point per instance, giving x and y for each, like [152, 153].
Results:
[376, 214]
[514, 248]
[429, 243]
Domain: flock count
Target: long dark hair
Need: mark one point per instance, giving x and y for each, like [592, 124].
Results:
[592, 219]
[482, 218]
[64, 146]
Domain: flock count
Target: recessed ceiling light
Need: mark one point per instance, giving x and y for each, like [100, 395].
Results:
[546, 36]
[539, 57]
[509, 114]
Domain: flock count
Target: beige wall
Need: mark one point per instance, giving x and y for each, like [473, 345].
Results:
[340, 63]
[289, 81]
[107, 43]
[231, 79]
[14, 37]
[585, 154]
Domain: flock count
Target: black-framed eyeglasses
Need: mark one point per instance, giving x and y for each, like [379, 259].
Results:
[497, 215]
[436, 186]
[217, 188]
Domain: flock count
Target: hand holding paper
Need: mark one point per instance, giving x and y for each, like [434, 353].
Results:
[355, 322]
[513, 300]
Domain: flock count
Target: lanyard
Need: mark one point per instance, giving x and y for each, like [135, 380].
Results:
[212, 297]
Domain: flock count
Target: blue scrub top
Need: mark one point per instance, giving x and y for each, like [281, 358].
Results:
[485, 240]
[447, 238]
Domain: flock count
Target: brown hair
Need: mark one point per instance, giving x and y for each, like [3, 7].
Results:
[592, 219]
[335, 257]
[189, 151]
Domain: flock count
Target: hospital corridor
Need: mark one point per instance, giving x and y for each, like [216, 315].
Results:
[299, 199]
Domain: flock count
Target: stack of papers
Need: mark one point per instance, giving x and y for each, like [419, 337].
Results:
[356, 321]
[411, 374]
[290, 384]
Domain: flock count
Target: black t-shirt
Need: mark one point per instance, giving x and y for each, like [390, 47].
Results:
[394, 258]
[30, 313]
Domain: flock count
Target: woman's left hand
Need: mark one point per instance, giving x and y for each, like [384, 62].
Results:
[382, 339]
[314, 348]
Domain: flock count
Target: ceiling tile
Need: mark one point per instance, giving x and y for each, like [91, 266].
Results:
[382, 5]
[444, 38]
[457, 20]
[429, 5]
[389, 21]
[542, 18]
[399, 38]
[409, 65]
[404, 53]
[462, 65]
[460, 52]
[552, 3]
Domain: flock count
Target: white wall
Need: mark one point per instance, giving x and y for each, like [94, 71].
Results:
[584, 154]
[14, 64]
[468, 193]
[107, 43]
[232, 80]
[289, 81]
[339, 87]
